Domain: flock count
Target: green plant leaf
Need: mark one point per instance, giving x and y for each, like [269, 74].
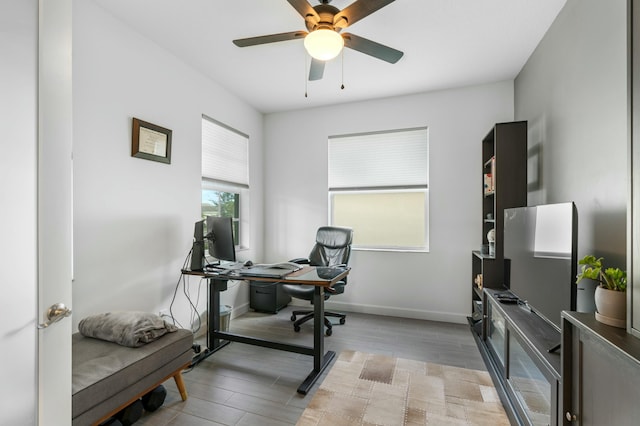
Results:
[593, 269]
[617, 278]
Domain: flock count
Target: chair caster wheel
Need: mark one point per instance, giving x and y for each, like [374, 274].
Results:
[296, 328]
[329, 332]
[342, 321]
[293, 317]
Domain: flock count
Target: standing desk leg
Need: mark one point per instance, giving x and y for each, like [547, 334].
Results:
[213, 319]
[215, 287]
[320, 359]
[318, 327]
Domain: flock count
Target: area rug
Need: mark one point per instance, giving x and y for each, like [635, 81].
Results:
[369, 389]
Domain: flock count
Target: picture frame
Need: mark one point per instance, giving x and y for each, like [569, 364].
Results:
[150, 141]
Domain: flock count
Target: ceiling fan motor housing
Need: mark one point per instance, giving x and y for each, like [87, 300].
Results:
[326, 13]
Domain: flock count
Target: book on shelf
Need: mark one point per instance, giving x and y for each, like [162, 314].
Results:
[493, 173]
[489, 186]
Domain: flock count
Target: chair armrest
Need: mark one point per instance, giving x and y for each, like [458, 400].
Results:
[301, 261]
[338, 288]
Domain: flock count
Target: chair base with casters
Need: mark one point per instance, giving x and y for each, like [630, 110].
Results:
[332, 248]
[305, 292]
[309, 315]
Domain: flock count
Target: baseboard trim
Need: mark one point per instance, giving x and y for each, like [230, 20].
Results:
[202, 331]
[397, 312]
[239, 310]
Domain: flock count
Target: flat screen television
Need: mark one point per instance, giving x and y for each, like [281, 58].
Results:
[221, 244]
[540, 251]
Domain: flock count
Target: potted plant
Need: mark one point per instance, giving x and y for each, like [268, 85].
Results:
[610, 296]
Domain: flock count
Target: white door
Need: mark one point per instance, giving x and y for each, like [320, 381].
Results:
[55, 135]
[35, 213]
[18, 147]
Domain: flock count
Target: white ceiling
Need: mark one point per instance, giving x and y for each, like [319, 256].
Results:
[446, 43]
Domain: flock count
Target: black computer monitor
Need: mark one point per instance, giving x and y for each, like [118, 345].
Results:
[220, 238]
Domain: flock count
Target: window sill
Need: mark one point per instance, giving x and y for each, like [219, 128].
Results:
[391, 249]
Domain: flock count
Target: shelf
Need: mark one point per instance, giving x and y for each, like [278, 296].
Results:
[477, 305]
[480, 255]
[477, 291]
[504, 148]
[624, 345]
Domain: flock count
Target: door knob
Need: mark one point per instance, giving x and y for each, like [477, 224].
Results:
[570, 417]
[54, 314]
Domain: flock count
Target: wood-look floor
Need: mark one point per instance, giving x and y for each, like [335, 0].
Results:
[249, 385]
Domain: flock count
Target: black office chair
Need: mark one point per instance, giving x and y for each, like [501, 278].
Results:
[333, 247]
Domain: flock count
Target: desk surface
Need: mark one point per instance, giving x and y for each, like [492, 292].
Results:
[310, 275]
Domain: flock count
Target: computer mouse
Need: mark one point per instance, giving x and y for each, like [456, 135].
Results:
[248, 263]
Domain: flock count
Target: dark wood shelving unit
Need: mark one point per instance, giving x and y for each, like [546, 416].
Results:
[513, 341]
[600, 372]
[504, 156]
[515, 345]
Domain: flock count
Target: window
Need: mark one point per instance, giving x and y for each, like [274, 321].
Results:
[378, 185]
[225, 176]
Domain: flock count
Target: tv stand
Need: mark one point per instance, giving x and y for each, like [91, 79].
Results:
[514, 343]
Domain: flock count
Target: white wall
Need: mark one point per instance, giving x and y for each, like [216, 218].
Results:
[434, 285]
[18, 167]
[573, 92]
[133, 218]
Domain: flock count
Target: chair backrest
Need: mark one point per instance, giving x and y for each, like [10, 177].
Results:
[333, 246]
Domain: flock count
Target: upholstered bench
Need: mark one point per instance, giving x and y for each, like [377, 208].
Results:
[107, 377]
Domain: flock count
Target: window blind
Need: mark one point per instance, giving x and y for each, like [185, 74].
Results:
[379, 160]
[225, 153]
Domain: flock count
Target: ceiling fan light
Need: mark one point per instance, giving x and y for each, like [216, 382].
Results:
[323, 44]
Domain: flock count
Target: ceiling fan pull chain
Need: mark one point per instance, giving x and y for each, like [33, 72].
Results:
[306, 71]
[342, 59]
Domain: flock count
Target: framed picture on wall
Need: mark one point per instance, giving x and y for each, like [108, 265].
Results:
[150, 142]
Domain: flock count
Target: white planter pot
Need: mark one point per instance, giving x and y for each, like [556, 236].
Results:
[611, 307]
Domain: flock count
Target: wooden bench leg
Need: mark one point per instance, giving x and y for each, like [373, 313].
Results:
[180, 384]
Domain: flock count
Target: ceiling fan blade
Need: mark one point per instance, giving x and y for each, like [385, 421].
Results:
[357, 10]
[272, 38]
[372, 48]
[304, 9]
[316, 70]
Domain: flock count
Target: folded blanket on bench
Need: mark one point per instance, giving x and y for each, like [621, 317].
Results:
[132, 329]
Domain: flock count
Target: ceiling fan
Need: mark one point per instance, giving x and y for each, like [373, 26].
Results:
[324, 40]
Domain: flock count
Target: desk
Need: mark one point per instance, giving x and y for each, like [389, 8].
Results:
[309, 275]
